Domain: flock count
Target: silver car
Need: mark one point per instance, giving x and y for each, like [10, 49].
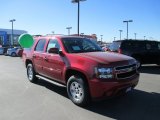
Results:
[12, 51]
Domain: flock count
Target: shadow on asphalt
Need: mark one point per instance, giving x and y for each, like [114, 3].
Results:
[136, 105]
[155, 69]
[55, 88]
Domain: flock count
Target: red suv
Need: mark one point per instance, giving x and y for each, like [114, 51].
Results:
[81, 65]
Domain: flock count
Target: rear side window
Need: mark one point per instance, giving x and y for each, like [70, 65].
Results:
[153, 46]
[40, 45]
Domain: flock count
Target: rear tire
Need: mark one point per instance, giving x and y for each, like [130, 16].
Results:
[13, 54]
[31, 74]
[78, 91]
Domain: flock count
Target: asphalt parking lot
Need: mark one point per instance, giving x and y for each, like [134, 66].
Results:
[22, 100]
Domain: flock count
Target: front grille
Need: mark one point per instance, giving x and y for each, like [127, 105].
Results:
[124, 67]
[123, 72]
[126, 75]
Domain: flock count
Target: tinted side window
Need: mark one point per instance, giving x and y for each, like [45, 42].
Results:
[126, 45]
[40, 45]
[133, 45]
[152, 46]
[148, 46]
[53, 44]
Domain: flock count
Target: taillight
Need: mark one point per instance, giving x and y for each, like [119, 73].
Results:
[119, 51]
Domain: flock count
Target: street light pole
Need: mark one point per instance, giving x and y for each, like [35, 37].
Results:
[144, 37]
[127, 21]
[135, 34]
[68, 29]
[120, 33]
[53, 32]
[101, 38]
[78, 19]
[114, 38]
[11, 42]
[78, 1]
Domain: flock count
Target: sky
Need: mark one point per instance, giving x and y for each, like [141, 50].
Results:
[100, 17]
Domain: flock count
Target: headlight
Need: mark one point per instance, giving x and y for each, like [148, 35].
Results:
[138, 64]
[105, 73]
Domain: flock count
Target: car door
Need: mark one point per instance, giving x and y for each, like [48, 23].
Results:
[53, 63]
[38, 55]
[152, 49]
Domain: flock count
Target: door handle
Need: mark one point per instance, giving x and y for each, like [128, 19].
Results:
[45, 58]
[34, 55]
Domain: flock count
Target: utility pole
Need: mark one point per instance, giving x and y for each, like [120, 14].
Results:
[127, 21]
[101, 38]
[135, 34]
[120, 33]
[11, 42]
[78, 1]
[68, 29]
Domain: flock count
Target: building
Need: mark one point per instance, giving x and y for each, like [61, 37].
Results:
[6, 37]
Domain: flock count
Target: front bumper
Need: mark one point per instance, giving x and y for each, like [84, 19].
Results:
[102, 89]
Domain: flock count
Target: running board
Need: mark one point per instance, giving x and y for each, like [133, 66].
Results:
[51, 81]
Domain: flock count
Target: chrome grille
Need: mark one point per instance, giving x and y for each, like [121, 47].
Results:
[123, 72]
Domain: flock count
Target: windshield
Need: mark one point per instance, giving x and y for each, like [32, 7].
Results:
[80, 45]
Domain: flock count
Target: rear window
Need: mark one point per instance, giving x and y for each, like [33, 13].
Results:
[115, 46]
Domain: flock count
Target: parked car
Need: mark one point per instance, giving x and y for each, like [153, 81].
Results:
[12, 51]
[78, 63]
[105, 47]
[146, 52]
[3, 50]
[19, 52]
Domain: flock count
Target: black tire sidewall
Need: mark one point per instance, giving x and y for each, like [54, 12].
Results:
[13, 54]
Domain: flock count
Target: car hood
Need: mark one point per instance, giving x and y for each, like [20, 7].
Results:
[107, 57]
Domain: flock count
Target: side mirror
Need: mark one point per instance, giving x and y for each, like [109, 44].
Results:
[53, 50]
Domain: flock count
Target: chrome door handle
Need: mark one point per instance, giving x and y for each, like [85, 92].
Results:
[45, 58]
[34, 55]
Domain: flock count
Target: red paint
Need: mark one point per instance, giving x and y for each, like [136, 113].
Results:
[55, 66]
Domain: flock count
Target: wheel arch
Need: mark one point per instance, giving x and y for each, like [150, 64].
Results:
[71, 72]
[27, 62]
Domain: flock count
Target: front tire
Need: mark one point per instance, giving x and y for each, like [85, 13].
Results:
[77, 90]
[31, 74]
[139, 63]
